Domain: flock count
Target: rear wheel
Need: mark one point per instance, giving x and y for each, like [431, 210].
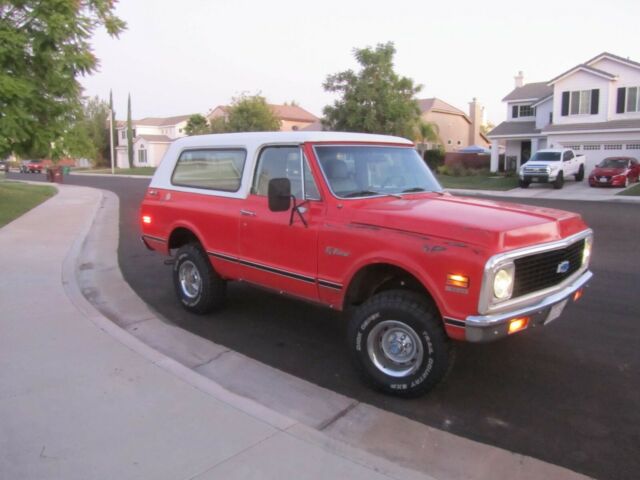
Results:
[580, 174]
[198, 287]
[398, 343]
[559, 181]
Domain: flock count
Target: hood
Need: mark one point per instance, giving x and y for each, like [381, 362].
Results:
[497, 226]
[608, 171]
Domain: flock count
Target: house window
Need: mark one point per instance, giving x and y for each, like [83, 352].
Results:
[615, 146]
[142, 155]
[633, 146]
[591, 147]
[123, 134]
[580, 102]
[527, 111]
[628, 100]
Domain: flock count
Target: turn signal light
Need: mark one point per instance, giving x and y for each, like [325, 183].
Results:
[458, 280]
[517, 324]
[146, 219]
[578, 295]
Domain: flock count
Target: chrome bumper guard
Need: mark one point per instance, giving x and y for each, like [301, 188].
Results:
[486, 328]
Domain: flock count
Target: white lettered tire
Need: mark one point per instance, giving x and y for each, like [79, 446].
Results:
[398, 343]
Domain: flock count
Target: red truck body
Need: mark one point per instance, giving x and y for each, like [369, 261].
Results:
[341, 251]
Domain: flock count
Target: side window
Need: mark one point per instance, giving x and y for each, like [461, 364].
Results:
[568, 156]
[278, 162]
[210, 169]
[310, 188]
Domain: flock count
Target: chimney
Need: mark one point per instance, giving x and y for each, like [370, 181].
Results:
[476, 112]
[519, 79]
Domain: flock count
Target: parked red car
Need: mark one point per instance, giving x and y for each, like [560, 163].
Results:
[34, 166]
[615, 172]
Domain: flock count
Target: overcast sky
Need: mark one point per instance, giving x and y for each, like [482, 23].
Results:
[187, 56]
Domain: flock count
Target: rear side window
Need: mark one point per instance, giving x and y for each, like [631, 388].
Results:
[210, 169]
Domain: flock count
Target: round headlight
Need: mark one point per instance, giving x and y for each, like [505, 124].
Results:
[503, 283]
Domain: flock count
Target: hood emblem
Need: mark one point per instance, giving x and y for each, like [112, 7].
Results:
[563, 267]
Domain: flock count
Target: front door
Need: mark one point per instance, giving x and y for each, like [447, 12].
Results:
[278, 250]
[525, 151]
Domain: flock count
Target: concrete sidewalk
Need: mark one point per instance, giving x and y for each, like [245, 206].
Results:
[82, 397]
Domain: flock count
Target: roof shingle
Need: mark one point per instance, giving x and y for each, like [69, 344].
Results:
[530, 91]
[514, 128]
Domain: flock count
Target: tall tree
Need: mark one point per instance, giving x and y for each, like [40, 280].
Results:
[375, 99]
[45, 47]
[426, 132]
[87, 136]
[251, 114]
[197, 125]
[129, 133]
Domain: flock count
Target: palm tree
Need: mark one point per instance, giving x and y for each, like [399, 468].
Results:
[426, 132]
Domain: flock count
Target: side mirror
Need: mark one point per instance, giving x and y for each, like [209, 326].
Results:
[279, 194]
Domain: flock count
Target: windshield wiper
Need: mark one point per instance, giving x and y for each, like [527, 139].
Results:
[363, 193]
[414, 189]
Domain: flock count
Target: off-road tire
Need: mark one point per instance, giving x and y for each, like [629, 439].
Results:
[419, 316]
[580, 174]
[524, 183]
[559, 181]
[212, 289]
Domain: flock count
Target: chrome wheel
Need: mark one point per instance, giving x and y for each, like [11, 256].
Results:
[395, 348]
[190, 280]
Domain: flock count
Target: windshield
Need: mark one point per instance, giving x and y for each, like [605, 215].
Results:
[614, 163]
[545, 156]
[364, 170]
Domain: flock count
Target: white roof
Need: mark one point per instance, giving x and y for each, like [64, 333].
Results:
[252, 142]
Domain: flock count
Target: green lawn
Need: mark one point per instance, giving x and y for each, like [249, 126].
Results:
[18, 198]
[146, 171]
[478, 182]
[632, 192]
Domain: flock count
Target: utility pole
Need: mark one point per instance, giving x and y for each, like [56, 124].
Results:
[113, 170]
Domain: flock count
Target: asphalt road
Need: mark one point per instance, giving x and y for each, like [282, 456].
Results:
[568, 394]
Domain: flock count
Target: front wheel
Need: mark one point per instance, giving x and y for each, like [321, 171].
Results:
[198, 286]
[580, 174]
[398, 343]
[559, 181]
[524, 183]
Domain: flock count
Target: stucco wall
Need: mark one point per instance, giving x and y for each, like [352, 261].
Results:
[453, 129]
[542, 113]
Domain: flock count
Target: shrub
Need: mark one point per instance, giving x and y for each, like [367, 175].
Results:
[434, 158]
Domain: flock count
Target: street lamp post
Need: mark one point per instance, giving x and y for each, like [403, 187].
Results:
[113, 170]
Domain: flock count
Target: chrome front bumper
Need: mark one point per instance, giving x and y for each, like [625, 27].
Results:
[486, 328]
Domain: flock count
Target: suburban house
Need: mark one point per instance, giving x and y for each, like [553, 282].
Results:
[292, 117]
[593, 108]
[151, 138]
[456, 129]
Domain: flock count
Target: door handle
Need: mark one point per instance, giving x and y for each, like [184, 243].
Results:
[247, 213]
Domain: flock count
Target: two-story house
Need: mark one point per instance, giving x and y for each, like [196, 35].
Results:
[292, 117]
[151, 138]
[456, 129]
[593, 108]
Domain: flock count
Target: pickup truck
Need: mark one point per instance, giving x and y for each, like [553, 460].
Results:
[552, 166]
[359, 224]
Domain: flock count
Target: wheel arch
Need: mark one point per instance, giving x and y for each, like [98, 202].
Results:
[380, 276]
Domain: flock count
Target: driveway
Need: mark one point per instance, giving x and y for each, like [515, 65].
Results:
[570, 191]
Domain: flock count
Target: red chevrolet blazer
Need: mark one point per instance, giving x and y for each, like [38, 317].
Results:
[359, 223]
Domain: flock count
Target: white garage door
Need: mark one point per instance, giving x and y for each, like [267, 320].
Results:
[595, 152]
